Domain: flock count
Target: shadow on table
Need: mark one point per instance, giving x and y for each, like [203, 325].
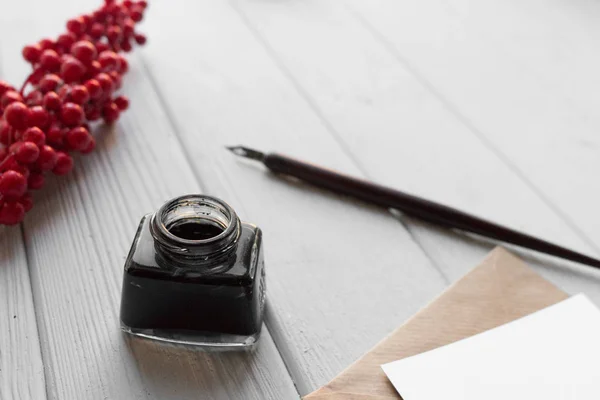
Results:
[443, 241]
[452, 248]
[167, 369]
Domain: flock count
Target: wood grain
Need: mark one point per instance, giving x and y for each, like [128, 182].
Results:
[468, 34]
[401, 133]
[525, 88]
[341, 275]
[21, 365]
[77, 237]
[21, 369]
[443, 100]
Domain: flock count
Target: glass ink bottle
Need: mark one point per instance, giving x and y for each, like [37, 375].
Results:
[195, 275]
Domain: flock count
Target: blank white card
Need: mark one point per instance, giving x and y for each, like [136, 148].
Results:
[553, 354]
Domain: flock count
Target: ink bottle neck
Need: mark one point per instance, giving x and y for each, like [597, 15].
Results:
[195, 232]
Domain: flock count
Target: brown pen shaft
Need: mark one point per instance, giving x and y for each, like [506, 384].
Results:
[417, 207]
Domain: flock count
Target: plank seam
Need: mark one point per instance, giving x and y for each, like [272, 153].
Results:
[171, 121]
[282, 350]
[327, 125]
[453, 110]
[299, 89]
[35, 310]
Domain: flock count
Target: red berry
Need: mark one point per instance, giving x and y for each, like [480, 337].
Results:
[99, 15]
[50, 60]
[71, 114]
[55, 135]
[78, 138]
[93, 69]
[12, 213]
[97, 30]
[21, 169]
[5, 134]
[51, 101]
[34, 135]
[49, 83]
[47, 158]
[101, 46]
[10, 164]
[94, 88]
[17, 115]
[116, 78]
[140, 39]
[38, 116]
[12, 184]
[105, 82]
[4, 87]
[10, 96]
[93, 114]
[87, 20]
[46, 44]
[64, 164]
[79, 94]
[142, 3]
[32, 53]
[114, 33]
[128, 27]
[14, 147]
[110, 112]
[34, 98]
[63, 92]
[35, 181]
[26, 201]
[126, 46]
[66, 40]
[122, 102]
[84, 51]
[72, 70]
[37, 76]
[90, 147]
[137, 13]
[27, 153]
[108, 60]
[123, 65]
[76, 25]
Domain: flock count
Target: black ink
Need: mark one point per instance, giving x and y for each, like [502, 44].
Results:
[195, 275]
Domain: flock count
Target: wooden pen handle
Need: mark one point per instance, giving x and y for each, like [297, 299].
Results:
[435, 213]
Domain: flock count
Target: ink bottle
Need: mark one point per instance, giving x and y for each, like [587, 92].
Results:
[195, 275]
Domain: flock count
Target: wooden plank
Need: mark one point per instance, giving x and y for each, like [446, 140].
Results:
[21, 369]
[21, 365]
[340, 275]
[532, 79]
[405, 136]
[78, 236]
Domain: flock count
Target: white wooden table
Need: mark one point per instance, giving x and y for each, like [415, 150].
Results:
[491, 106]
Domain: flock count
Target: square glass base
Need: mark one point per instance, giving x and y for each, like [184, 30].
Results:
[202, 340]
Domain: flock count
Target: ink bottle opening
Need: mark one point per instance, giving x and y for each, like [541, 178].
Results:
[195, 276]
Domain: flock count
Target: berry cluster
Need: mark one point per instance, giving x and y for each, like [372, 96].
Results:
[73, 83]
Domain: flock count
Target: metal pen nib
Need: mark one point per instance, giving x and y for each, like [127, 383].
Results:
[246, 152]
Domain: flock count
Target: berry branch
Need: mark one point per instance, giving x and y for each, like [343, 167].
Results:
[73, 83]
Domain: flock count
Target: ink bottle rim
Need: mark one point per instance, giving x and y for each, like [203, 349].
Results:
[208, 255]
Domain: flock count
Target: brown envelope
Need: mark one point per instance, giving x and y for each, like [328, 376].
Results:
[498, 291]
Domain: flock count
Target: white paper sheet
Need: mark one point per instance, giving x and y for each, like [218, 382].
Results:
[553, 354]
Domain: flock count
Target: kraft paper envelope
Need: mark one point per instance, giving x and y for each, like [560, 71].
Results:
[501, 289]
